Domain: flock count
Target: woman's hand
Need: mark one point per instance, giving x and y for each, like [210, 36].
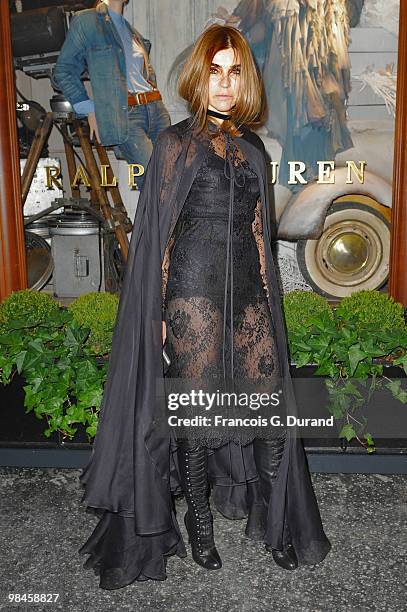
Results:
[164, 332]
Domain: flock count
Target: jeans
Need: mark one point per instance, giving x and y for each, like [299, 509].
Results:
[146, 121]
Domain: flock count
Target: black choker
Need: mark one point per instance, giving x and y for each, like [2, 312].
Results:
[218, 115]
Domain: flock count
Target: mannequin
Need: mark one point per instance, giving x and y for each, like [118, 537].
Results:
[130, 115]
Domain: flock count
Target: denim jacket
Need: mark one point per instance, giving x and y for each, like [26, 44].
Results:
[92, 43]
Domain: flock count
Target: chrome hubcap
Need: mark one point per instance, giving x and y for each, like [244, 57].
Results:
[348, 253]
[351, 254]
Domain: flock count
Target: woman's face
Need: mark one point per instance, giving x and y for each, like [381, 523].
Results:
[224, 81]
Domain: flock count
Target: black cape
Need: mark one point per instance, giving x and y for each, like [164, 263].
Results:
[131, 476]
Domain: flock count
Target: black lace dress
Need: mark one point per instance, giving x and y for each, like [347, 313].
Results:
[218, 318]
[132, 475]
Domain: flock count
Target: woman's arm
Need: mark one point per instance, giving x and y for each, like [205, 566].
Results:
[164, 279]
[257, 227]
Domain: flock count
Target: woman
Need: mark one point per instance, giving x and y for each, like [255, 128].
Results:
[200, 260]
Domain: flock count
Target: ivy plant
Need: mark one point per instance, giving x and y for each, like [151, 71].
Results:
[64, 378]
[351, 353]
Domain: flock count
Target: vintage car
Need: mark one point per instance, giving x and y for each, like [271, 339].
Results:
[335, 238]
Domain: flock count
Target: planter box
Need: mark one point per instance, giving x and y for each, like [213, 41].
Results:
[19, 429]
[312, 398]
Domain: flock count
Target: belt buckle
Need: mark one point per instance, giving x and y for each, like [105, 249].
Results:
[139, 97]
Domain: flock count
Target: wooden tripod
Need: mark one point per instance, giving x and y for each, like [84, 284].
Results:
[115, 216]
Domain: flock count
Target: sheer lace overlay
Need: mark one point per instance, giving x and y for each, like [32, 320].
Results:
[196, 285]
[132, 473]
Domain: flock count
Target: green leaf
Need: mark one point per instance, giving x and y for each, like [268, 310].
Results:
[32, 360]
[19, 360]
[335, 409]
[401, 361]
[301, 346]
[37, 345]
[376, 369]
[323, 322]
[347, 432]
[325, 368]
[91, 430]
[91, 397]
[350, 388]
[369, 439]
[355, 354]
[6, 372]
[347, 333]
[363, 369]
[13, 339]
[302, 359]
[395, 387]
[75, 335]
[367, 345]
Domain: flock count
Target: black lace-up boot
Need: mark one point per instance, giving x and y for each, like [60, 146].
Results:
[192, 461]
[268, 455]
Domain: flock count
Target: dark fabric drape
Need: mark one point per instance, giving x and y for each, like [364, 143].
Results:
[131, 476]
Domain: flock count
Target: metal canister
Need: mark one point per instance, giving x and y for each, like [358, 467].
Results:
[77, 250]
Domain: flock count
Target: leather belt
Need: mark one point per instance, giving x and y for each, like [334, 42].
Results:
[143, 97]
